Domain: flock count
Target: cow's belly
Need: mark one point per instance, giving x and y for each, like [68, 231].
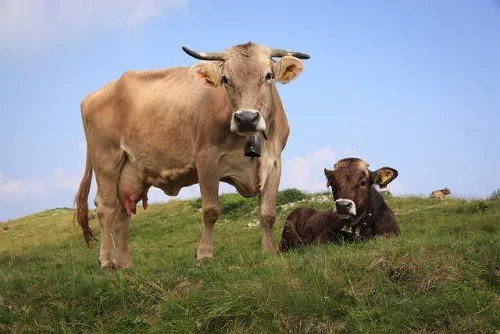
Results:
[172, 180]
[171, 172]
[164, 170]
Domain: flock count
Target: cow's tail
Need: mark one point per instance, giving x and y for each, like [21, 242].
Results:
[81, 202]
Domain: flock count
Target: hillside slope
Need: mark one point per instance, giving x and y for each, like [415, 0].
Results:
[441, 275]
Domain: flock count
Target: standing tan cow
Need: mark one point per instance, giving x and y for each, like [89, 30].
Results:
[176, 127]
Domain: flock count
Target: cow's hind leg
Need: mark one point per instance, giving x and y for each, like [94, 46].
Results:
[108, 207]
[121, 228]
[113, 219]
[105, 214]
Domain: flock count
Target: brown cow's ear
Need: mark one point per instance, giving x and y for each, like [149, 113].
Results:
[384, 176]
[287, 69]
[207, 73]
[329, 177]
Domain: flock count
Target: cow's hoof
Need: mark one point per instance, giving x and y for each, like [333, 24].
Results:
[204, 256]
[108, 265]
[269, 249]
[202, 260]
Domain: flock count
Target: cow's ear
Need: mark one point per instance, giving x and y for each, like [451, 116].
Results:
[287, 69]
[384, 176]
[329, 177]
[207, 73]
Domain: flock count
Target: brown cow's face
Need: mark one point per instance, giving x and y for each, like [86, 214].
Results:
[351, 183]
[248, 74]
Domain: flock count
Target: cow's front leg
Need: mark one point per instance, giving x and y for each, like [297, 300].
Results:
[208, 178]
[267, 203]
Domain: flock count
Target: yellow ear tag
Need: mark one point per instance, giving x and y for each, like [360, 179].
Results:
[210, 81]
[384, 178]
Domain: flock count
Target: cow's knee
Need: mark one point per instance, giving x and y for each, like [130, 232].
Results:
[211, 213]
[105, 216]
[267, 220]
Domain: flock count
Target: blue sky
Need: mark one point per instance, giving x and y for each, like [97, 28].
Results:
[414, 85]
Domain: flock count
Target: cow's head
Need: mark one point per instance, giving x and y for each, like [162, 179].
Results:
[446, 191]
[247, 72]
[351, 183]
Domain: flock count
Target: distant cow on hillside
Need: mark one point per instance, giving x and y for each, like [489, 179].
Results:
[359, 211]
[441, 193]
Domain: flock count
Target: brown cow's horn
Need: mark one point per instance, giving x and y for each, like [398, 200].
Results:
[204, 55]
[282, 53]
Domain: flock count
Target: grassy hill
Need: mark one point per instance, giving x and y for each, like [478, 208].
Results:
[441, 275]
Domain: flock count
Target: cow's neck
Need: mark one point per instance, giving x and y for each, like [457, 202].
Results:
[276, 124]
[365, 219]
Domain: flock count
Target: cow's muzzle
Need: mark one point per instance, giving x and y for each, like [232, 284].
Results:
[247, 122]
[345, 208]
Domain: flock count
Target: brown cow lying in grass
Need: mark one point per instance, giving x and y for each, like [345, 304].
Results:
[441, 193]
[359, 211]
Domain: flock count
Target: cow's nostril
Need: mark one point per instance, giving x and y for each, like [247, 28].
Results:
[237, 118]
[255, 118]
[347, 205]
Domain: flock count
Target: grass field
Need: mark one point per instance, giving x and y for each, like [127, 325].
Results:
[442, 275]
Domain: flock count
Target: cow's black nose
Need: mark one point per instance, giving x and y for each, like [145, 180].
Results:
[246, 117]
[343, 206]
[246, 120]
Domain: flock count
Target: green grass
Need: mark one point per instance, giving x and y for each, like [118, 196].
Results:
[441, 275]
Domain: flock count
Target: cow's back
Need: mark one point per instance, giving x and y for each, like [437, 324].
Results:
[149, 103]
[158, 119]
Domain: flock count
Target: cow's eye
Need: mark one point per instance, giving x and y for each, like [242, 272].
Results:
[225, 81]
[363, 183]
[269, 77]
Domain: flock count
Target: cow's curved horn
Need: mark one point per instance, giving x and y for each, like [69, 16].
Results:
[204, 55]
[283, 52]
